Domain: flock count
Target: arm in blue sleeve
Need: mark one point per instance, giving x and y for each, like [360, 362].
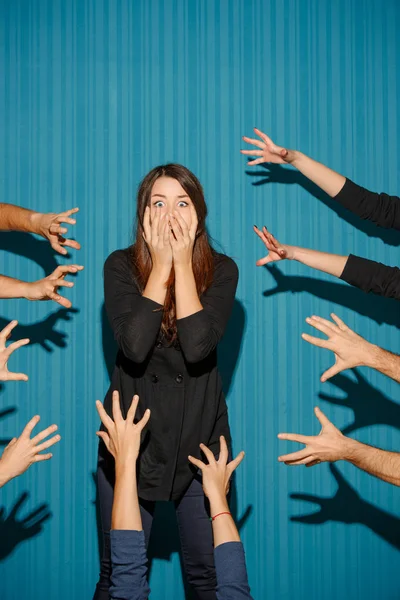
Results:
[129, 565]
[230, 566]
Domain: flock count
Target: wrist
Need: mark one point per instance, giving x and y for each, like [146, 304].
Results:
[294, 157]
[5, 476]
[35, 219]
[349, 449]
[183, 268]
[125, 468]
[218, 504]
[373, 356]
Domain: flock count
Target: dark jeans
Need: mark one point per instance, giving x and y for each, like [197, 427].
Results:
[195, 532]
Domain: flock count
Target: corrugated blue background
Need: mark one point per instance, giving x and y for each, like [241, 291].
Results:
[94, 94]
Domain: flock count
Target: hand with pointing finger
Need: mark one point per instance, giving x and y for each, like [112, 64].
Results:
[329, 446]
[6, 351]
[47, 288]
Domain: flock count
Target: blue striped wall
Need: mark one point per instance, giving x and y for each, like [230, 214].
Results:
[93, 94]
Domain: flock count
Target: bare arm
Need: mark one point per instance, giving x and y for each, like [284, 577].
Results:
[43, 289]
[216, 475]
[380, 463]
[48, 225]
[329, 181]
[333, 264]
[122, 439]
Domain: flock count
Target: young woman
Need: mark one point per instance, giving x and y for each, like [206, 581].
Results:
[168, 299]
[381, 209]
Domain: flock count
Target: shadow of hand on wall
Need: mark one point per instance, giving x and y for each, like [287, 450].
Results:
[29, 246]
[270, 173]
[230, 346]
[14, 531]
[3, 414]
[378, 308]
[346, 506]
[43, 332]
[370, 405]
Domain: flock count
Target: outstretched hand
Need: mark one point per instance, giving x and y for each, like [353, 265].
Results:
[350, 349]
[122, 436]
[47, 288]
[328, 446]
[50, 227]
[6, 351]
[216, 473]
[267, 152]
[22, 452]
[276, 251]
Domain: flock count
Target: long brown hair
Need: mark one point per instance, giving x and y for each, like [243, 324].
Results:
[203, 253]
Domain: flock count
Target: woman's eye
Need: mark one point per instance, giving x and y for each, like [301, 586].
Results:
[159, 203]
[182, 204]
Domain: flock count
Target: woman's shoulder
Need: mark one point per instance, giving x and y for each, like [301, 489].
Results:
[225, 265]
[119, 258]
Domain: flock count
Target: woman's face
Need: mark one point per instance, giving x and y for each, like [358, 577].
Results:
[168, 195]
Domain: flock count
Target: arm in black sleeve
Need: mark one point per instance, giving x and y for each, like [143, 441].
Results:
[371, 276]
[200, 333]
[381, 209]
[135, 320]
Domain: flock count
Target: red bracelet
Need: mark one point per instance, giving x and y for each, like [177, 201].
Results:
[219, 514]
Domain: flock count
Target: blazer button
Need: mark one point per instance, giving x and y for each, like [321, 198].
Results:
[154, 378]
[159, 345]
[179, 378]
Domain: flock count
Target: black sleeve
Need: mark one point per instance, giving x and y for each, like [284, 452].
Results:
[371, 276]
[200, 333]
[135, 320]
[381, 209]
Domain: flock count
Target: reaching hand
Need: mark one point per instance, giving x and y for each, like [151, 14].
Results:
[122, 437]
[182, 236]
[328, 446]
[50, 227]
[217, 473]
[46, 289]
[22, 452]
[156, 234]
[276, 251]
[268, 151]
[6, 351]
[350, 349]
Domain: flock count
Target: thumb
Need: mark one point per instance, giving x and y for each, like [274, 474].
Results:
[334, 370]
[106, 439]
[264, 261]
